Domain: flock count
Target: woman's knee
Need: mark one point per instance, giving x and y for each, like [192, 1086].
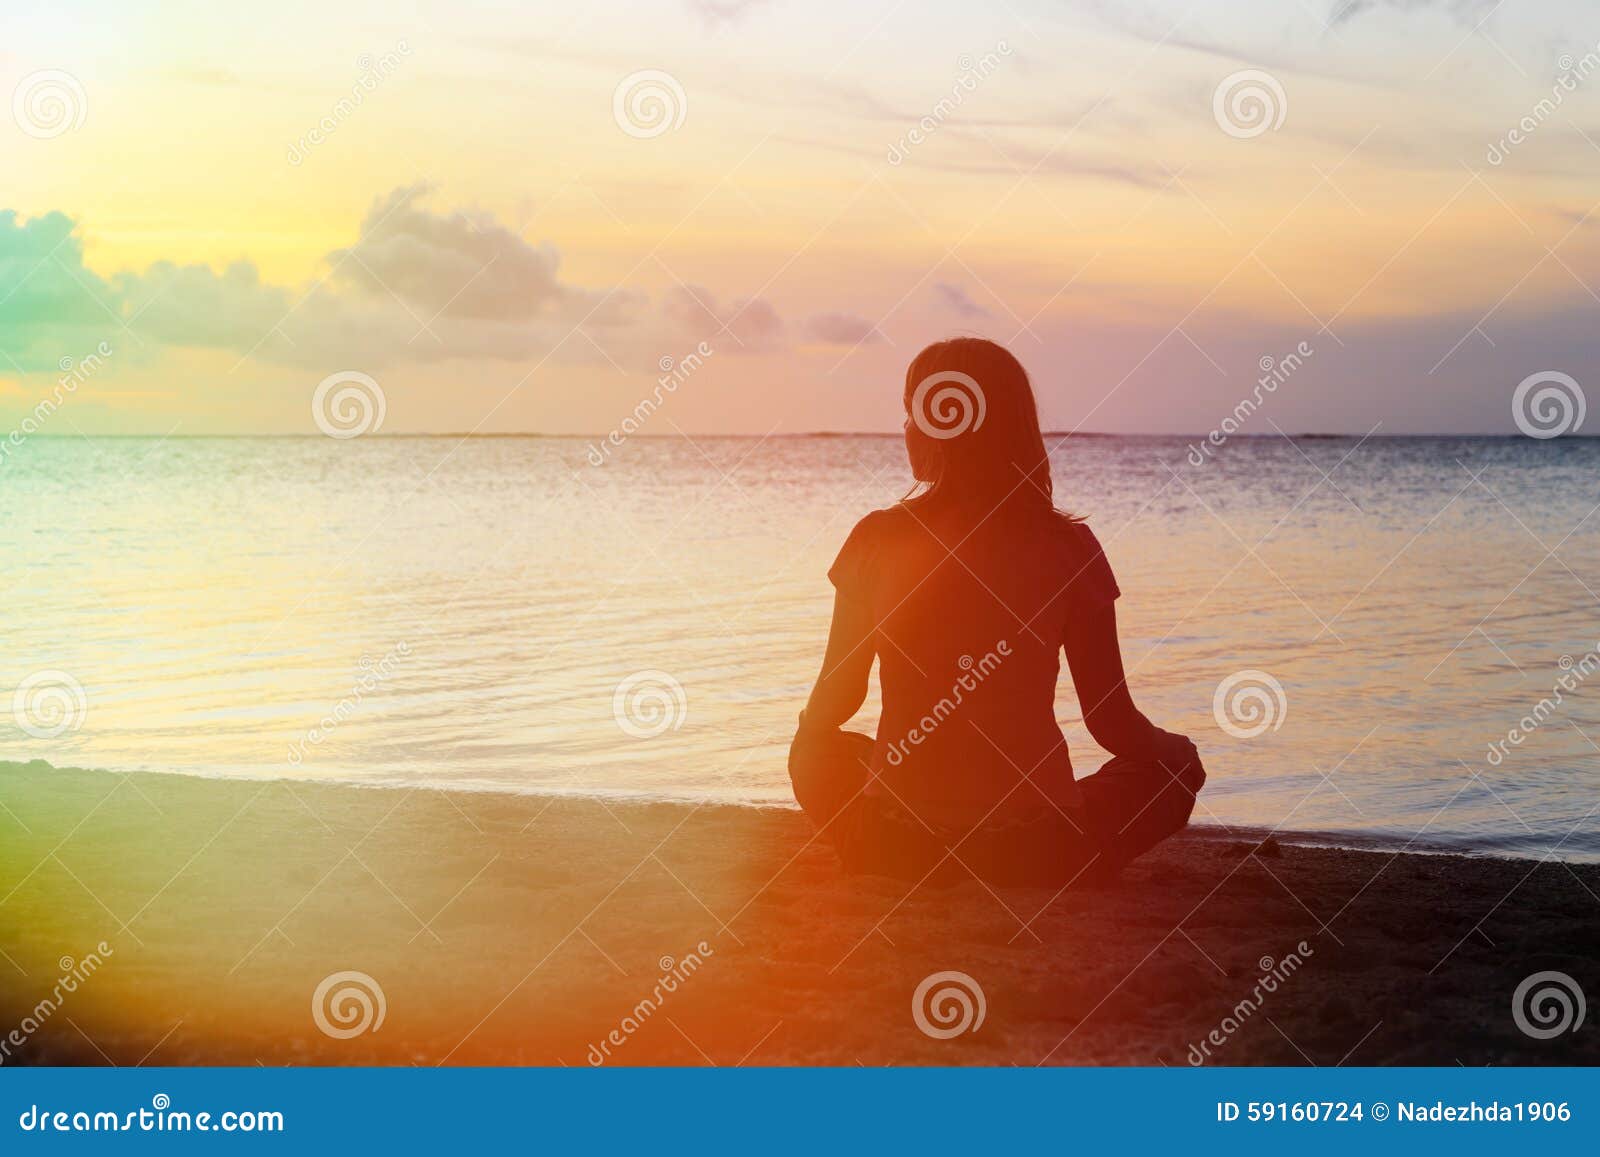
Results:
[827, 769]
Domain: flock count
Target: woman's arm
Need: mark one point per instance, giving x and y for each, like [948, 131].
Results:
[1095, 658]
[842, 684]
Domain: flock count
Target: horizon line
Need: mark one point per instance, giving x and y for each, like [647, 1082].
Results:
[603, 436]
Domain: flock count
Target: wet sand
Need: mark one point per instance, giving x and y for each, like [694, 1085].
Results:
[508, 929]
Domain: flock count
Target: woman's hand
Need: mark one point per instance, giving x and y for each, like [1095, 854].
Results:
[1175, 750]
[807, 728]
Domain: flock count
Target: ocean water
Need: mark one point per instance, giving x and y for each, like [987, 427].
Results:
[462, 613]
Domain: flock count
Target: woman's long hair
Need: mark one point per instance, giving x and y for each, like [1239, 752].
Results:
[972, 427]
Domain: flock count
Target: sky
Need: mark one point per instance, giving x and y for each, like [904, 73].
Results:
[519, 218]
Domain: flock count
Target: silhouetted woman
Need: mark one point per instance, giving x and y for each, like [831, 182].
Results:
[966, 593]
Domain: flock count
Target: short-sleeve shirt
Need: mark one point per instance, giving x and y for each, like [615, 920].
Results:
[969, 626]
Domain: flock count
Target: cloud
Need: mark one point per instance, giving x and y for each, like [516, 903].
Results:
[212, 77]
[1466, 11]
[463, 265]
[719, 12]
[415, 286]
[841, 329]
[956, 298]
[50, 305]
[752, 323]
